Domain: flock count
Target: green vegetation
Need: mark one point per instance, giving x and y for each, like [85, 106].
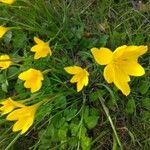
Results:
[97, 118]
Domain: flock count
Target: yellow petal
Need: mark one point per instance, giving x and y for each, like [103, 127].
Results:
[42, 49]
[27, 125]
[102, 56]
[19, 125]
[31, 75]
[14, 115]
[119, 51]
[120, 74]
[73, 70]
[38, 41]
[26, 75]
[43, 52]
[5, 61]
[6, 109]
[36, 48]
[7, 1]
[132, 68]
[121, 80]
[134, 51]
[3, 30]
[36, 86]
[85, 81]
[130, 52]
[75, 78]
[109, 73]
[9, 105]
[79, 86]
[123, 86]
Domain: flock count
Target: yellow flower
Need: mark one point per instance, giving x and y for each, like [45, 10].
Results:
[7, 1]
[121, 64]
[3, 30]
[9, 105]
[33, 79]
[24, 118]
[80, 76]
[41, 48]
[5, 61]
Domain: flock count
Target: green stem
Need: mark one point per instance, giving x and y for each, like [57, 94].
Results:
[111, 122]
[47, 71]
[12, 142]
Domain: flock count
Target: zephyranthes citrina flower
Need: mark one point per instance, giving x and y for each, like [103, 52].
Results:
[24, 118]
[80, 76]
[121, 64]
[5, 61]
[7, 1]
[9, 105]
[3, 30]
[41, 48]
[33, 79]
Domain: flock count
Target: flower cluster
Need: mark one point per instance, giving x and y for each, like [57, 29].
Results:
[121, 64]
[23, 115]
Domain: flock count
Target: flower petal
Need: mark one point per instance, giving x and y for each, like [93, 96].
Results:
[19, 125]
[26, 75]
[3, 30]
[102, 56]
[6, 109]
[36, 48]
[14, 115]
[36, 86]
[5, 61]
[7, 1]
[121, 80]
[123, 86]
[73, 70]
[133, 68]
[27, 125]
[79, 86]
[134, 51]
[75, 78]
[119, 51]
[85, 80]
[109, 73]
[130, 52]
[43, 52]
[38, 41]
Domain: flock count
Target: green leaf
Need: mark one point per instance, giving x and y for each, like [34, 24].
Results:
[85, 143]
[60, 102]
[86, 112]
[2, 78]
[103, 40]
[94, 112]
[91, 116]
[62, 132]
[19, 40]
[91, 121]
[70, 113]
[8, 37]
[146, 103]
[130, 107]
[58, 121]
[4, 86]
[94, 95]
[146, 115]
[144, 87]
[74, 129]
[12, 72]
